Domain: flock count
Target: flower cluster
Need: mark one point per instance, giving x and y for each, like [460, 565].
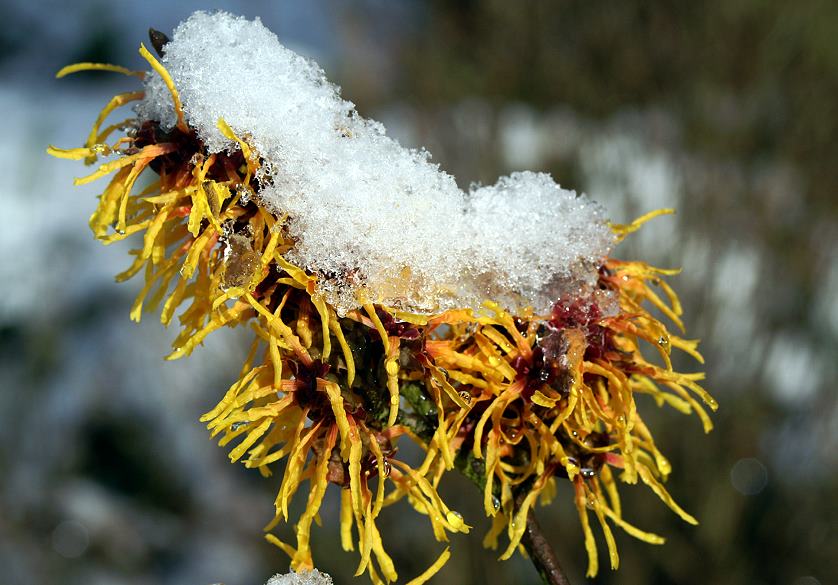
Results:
[517, 401]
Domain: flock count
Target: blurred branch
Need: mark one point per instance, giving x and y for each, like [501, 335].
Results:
[543, 557]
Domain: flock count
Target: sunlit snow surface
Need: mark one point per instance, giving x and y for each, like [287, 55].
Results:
[313, 577]
[369, 216]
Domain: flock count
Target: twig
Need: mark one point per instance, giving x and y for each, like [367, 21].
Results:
[541, 553]
[539, 550]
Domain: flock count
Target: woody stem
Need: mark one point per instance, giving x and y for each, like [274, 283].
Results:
[541, 554]
[540, 551]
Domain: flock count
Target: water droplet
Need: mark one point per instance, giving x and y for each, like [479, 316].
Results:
[663, 341]
[495, 503]
[455, 519]
[241, 262]
[465, 395]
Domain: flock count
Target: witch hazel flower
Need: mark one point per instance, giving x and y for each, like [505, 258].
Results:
[491, 327]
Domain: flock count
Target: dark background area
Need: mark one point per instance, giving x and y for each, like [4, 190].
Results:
[725, 110]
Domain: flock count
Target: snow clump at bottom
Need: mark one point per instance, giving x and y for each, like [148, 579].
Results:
[313, 577]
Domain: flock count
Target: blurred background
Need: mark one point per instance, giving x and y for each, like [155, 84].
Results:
[725, 110]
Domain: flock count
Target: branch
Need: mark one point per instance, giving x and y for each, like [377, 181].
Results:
[540, 551]
[538, 548]
[423, 422]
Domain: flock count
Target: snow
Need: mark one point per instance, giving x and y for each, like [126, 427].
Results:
[313, 577]
[374, 220]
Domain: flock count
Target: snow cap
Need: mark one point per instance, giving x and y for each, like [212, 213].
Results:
[370, 218]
